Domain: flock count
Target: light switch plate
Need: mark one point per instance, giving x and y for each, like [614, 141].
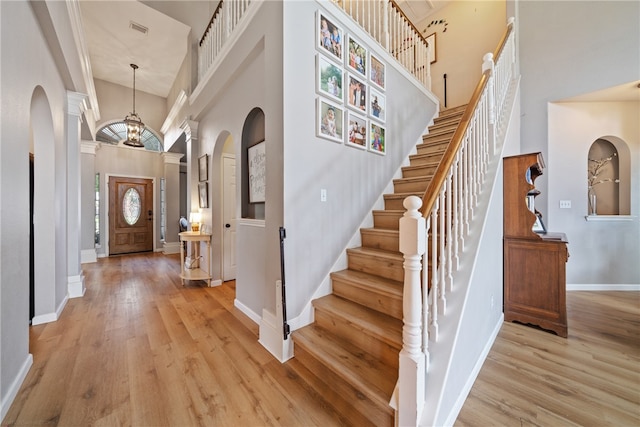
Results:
[565, 204]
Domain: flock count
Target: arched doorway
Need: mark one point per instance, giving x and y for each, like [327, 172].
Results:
[43, 209]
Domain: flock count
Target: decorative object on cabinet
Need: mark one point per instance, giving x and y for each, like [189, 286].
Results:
[193, 270]
[534, 263]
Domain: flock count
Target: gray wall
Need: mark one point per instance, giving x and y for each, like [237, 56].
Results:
[318, 232]
[569, 49]
[26, 64]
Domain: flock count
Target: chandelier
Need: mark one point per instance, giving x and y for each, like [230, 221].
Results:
[132, 121]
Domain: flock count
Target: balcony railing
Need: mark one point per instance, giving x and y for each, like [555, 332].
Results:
[224, 20]
[382, 19]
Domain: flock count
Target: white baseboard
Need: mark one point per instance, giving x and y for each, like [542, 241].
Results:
[215, 283]
[50, 317]
[171, 248]
[246, 310]
[602, 287]
[88, 255]
[272, 337]
[462, 397]
[13, 389]
[75, 286]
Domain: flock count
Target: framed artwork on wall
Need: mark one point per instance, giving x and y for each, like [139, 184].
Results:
[377, 105]
[356, 130]
[256, 161]
[377, 72]
[330, 120]
[329, 36]
[357, 57]
[357, 93]
[431, 40]
[203, 168]
[329, 78]
[203, 194]
[377, 141]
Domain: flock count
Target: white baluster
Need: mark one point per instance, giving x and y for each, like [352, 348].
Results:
[442, 289]
[433, 292]
[425, 295]
[449, 244]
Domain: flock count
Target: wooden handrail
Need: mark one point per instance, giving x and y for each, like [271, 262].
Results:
[213, 18]
[431, 193]
[503, 41]
[395, 6]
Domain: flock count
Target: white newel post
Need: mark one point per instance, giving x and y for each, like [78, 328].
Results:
[412, 359]
[76, 105]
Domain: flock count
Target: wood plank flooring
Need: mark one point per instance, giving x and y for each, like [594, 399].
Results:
[140, 349]
[591, 378]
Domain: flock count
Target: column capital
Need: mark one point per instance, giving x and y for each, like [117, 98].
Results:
[172, 158]
[76, 103]
[89, 147]
[190, 128]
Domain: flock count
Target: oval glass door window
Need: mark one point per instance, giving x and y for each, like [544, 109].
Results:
[131, 206]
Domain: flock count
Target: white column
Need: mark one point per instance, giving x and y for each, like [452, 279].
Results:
[87, 201]
[172, 202]
[190, 129]
[76, 105]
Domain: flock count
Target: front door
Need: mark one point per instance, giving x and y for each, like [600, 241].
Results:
[130, 215]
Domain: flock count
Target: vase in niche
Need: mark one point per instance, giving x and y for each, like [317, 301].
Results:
[592, 204]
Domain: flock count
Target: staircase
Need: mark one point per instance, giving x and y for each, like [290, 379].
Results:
[350, 353]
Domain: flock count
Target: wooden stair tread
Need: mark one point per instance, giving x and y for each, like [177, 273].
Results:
[402, 195]
[413, 179]
[373, 323]
[375, 381]
[376, 252]
[360, 279]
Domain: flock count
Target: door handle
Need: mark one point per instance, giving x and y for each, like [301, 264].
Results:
[227, 225]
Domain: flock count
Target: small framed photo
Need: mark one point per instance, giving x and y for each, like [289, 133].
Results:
[538, 226]
[256, 161]
[356, 130]
[431, 40]
[203, 168]
[357, 57]
[330, 120]
[357, 93]
[377, 72]
[377, 105]
[330, 79]
[377, 141]
[329, 36]
[203, 193]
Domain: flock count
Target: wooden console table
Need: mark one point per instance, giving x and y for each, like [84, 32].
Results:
[195, 273]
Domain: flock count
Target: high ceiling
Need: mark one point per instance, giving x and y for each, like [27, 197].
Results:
[113, 43]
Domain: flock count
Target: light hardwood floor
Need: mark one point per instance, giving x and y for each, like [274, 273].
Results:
[140, 349]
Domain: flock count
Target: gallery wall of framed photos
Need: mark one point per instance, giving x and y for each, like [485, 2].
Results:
[350, 83]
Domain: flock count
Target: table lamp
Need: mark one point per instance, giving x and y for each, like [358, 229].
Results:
[194, 219]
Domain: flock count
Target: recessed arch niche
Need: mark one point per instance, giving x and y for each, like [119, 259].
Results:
[253, 132]
[608, 177]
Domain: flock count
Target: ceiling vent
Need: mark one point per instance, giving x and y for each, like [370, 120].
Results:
[138, 27]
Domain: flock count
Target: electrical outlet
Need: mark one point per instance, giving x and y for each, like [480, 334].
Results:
[565, 204]
[323, 195]
[492, 302]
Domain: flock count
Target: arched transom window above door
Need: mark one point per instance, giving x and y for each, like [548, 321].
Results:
[114, 133]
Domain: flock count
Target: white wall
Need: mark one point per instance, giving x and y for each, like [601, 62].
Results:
[602, 253]
[473, 29]
[26, 65]
[318, 232]
[570, 48]
[116, 102]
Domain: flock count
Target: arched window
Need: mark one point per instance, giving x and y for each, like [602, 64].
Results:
[115, 132]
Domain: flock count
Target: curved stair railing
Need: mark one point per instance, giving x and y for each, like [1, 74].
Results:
[434, 228]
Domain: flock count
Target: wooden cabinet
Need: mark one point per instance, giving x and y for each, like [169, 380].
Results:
[534, 262]
[195, 271]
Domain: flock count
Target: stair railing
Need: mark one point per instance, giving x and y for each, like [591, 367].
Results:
[447, 207]
[224, 20]
[386, 23]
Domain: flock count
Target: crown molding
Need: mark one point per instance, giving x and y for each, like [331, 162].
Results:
[77, 28]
